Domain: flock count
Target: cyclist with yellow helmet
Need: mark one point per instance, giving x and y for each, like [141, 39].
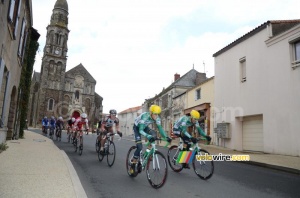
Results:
[180, 129]
[140, 127]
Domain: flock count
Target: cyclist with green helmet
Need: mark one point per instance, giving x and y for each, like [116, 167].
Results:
[180, 129]
[140, 127]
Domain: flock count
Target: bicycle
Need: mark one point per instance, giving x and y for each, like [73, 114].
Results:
[58, 133]
[79, 138]
[45, 130]
[69, 134]
[109, 149]
[158, 166]
[51, 132]
[203, 169]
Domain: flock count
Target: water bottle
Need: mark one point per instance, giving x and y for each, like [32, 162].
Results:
[105, 145]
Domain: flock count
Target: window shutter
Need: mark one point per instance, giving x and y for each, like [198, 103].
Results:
[17, 19]
[11, 10]
[21, 37]
[24, 46]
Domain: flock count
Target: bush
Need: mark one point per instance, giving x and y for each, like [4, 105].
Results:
[3, 147]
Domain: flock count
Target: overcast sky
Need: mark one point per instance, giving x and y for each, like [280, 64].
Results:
[133, 48]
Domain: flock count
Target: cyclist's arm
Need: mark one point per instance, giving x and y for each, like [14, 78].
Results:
[200, 131]
[184, 131]
[161, 131]
[141, 129]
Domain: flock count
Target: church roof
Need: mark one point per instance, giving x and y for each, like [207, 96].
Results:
[80, 70]
[62, 4]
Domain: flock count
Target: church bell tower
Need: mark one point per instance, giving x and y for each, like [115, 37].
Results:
[54, 61]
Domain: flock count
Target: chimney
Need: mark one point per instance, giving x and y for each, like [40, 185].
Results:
[176, 77]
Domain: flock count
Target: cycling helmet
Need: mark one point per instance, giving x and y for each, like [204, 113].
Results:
[112, 111]
[195, 114]
[60, 118]
[73, 119]
[52, 117]
[155, 109]
[83, 115]
[45, 117]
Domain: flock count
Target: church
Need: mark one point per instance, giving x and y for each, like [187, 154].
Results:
[55, 91]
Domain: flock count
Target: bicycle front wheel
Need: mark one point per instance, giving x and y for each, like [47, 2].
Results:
[81, 145]
[130, 170]
[157, 170]
[204, 169]
[173, 153]
[111, 153]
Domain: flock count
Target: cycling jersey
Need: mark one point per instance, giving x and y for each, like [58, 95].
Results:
[143, 120]
[181, 126]
[45, 122]
[70, 123]
[107, 124]
[59, 123]
[80, 122]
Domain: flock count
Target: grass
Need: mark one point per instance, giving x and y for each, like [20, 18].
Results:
[3, 147]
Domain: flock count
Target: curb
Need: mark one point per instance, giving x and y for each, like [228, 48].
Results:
[271, 166]
[77, 186]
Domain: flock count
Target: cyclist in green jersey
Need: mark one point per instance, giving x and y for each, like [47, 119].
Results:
[140, 127]
[180, 129]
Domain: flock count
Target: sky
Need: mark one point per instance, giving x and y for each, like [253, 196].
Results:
[133, 48]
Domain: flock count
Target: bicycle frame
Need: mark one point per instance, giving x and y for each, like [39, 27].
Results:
[144, 157]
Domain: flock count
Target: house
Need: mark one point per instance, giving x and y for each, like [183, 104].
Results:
[18, 41]
[127, 118]
[201, 98]
[172, 99]
[257, 90]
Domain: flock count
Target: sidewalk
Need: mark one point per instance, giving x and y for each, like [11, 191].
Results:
[279, 162]
[35, 167]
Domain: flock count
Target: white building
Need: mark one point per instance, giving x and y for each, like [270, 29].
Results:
[127, 118]
[257, 89]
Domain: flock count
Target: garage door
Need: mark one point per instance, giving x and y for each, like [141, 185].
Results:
[253, 133]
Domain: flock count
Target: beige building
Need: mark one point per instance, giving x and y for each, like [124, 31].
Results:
[16, 33]
[257, 89]
[201, 98]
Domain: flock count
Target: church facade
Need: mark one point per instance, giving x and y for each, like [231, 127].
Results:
[55, 91]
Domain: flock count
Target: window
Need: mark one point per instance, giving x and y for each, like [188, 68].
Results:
[13, 16]
[295, 54]
[77, 95]
[198, 94]
[50, 104]
[243, 76]
[22, 42]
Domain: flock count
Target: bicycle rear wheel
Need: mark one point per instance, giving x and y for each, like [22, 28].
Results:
[173, 153]
[157, 170]
[75, 144]
[111, 153]
[100, 155]
[80, 145]
[131, 172]
[97, 145]
[204, 169]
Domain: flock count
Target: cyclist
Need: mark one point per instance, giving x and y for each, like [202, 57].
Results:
[79, 123]
[59, 126]
[45, 124]
[52, 125]
[107, 127]
[70, 125]
[180, 130]
[140, 127]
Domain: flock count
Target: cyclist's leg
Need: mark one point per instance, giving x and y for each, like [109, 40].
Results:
[139, 145]
[102, 140]
[188, 143]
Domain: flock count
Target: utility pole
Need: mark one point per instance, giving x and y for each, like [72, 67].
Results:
[204, 66]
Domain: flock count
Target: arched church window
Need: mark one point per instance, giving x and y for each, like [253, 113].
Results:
[77, 94]
[50, 104]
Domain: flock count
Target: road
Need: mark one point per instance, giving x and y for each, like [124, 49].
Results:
[230, 179]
